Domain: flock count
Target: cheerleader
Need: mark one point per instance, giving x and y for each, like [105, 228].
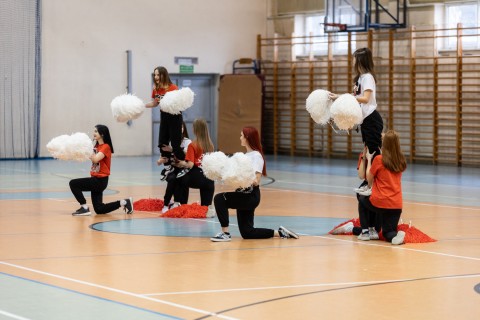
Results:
[98, 180]
[246, 200]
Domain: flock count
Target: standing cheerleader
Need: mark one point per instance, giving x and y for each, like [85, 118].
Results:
[98, 180]
[246, 200]
[170, 124]
[364, 91]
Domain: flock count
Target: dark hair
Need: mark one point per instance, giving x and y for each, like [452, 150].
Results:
[105, 134]
[185, 131]
[253, 139]
[363, 63]
[164, 78]
[392, 156]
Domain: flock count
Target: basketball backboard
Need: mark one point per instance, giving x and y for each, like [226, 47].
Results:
[361, 15]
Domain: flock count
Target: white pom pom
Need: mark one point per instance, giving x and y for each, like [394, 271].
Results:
[127, 107]
[174, 102]
[77, 147]
[346, 112]
[213, 165]
[318, 105]
[238, 172]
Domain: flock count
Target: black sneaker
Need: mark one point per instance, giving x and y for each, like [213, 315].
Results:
[128, 206]
[82, 212]
[183, 172]
[165, 172]
[287, 234]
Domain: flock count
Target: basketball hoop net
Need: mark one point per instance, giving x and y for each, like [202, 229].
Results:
[330, 27]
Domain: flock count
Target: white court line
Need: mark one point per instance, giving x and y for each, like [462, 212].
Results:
[365, 243]
[353, 197]
[13, 316]
[355, 283]
[212, 314]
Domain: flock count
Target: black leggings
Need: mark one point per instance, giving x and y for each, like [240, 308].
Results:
[245, 203]
[388, 217]
[172, 185]
[96, 186]
[171, 133]
[371, 129]
[194, 179]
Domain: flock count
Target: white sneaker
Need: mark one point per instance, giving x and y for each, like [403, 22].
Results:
[399, 238]
[211, 213]
[165, 209]
[361, 189]
[366, 193]
[344, 229]
[364, 236]
[221, 237]
[373, 234]
[175, 205]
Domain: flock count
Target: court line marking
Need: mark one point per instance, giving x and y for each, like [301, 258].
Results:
[365, 243]
[354, 283]
[13, 316]
[140, 296]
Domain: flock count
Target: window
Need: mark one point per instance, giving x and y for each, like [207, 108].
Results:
[313, 24]
[467, 14]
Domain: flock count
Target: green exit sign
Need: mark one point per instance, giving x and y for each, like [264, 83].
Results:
[186, 69]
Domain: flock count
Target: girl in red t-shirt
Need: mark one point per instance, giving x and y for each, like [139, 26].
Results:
[194, 177]
[386, 198]
[98, 180]
[170, 124]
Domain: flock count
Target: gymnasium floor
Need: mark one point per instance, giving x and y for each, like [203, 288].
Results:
[140, 266]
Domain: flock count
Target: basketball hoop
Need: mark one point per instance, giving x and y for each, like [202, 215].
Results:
[330, 27]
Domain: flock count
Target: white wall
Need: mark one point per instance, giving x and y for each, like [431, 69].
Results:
[84, 59]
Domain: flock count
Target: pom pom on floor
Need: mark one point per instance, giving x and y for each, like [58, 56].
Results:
[184, 211]
[213, 165]
[346, 112]
[318, 105]
[127, 107]
[174, 102]
[238, 172]
[148, 205]
[76, 147]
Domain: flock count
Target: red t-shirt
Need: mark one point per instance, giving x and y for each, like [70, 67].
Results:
[194, 153]
[161, 92]
[102, 169]
[387, 186]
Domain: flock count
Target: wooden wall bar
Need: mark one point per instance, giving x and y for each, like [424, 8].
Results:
[430, 97]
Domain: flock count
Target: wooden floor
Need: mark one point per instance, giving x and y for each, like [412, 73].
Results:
[55, 266]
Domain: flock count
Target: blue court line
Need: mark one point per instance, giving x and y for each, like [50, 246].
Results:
[204, 228]
[40, 301]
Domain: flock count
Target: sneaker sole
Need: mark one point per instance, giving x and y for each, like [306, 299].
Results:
[346, 228]
[290, 233]
[220, 240]
[81, 214]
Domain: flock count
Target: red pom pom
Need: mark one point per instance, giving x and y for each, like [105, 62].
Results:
[148, 205]
[193, 210]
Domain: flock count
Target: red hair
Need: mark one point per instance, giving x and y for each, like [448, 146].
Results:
[253, 139]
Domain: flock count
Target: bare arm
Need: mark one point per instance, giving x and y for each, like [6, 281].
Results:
[365, 98]
[370, 177]
[258, 178]
[96, 158]
[361, 167]
[153, 103]
[184, 164]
